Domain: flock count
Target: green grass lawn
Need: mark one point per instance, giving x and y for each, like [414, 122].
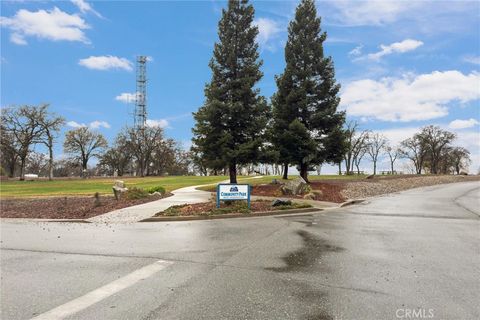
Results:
[76, 187]
[268, 179]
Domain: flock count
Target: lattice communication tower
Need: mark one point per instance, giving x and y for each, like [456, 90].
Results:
[140, 114]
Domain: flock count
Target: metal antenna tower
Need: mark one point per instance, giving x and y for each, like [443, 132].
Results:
[140, 115]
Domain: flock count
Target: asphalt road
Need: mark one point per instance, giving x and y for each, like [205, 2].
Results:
[410, 255]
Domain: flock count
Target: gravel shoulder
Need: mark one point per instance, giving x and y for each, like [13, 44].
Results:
[379, 186]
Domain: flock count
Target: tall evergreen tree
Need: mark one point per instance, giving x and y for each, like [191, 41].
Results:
[230, 126]
[307, 125]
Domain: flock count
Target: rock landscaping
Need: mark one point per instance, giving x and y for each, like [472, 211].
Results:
[236, 207]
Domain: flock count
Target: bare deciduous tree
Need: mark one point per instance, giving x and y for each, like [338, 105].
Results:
[22, 125]
[51, 125]
[435, 140]
[393, 153]
[82, 144]
[460, 158]
[414, 149]
[8, 152]
[118, 157]
[375, 144]
[141, 143]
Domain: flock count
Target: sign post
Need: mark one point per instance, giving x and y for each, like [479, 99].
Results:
[228, 191]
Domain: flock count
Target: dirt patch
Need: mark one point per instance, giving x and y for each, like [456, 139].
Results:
[65, 207]
[209, 208]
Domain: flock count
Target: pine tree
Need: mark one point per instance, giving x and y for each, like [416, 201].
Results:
[230, 126]
[306, 100]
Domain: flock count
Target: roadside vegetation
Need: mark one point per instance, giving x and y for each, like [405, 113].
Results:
[234, 207]
[87, 187]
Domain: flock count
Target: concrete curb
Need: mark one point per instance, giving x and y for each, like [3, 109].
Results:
[230, 215]
[20, 220]
[351, 202]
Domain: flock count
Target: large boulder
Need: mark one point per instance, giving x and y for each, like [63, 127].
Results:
[295, 187]
[309, 196]
[463, 173]
[119, 189]
[281, 202]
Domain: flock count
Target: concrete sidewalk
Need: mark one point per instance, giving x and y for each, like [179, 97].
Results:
[147, 210]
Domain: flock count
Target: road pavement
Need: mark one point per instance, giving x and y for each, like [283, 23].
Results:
[409, 255]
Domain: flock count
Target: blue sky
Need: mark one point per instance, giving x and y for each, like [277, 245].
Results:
[401, 64]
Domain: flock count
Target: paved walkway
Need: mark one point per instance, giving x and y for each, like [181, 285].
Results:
[146, 210]
[187, 195]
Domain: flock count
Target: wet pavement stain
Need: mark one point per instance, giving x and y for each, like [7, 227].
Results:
[308, 255]
[319, 316]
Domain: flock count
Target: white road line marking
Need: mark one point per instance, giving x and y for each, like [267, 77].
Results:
[101, 293]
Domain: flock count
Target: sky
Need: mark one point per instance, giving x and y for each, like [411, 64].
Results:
[401, 64]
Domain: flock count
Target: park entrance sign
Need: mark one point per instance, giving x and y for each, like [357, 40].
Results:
[227, 191]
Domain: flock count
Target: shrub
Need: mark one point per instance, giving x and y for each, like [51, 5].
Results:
[97, 202]
[156, 189]
[136, 193]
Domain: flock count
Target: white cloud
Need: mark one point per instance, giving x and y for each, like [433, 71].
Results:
[162, 123]
[472, 59]
[463, 124]
[371, 12]
[97, 124]
[94, 124]
[268, 30]
[106, 63]
[396, 47]
[126, 97]
[85, 7]
[356, 51]
[54, 25]
[75, 124]
[409, 98]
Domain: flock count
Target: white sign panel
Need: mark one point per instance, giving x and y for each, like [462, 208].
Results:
[233, 191]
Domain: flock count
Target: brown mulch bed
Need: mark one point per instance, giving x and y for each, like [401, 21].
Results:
[237, 207]
[330, 191]
[65, 207]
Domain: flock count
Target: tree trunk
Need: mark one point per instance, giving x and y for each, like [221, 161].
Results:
[304, 172]
[285, 171]
[84, 168]
[22, 168]
[232, 170]
[340, 168]
[392, 166]
[50, 160]
[12, 168]
[375, 167]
